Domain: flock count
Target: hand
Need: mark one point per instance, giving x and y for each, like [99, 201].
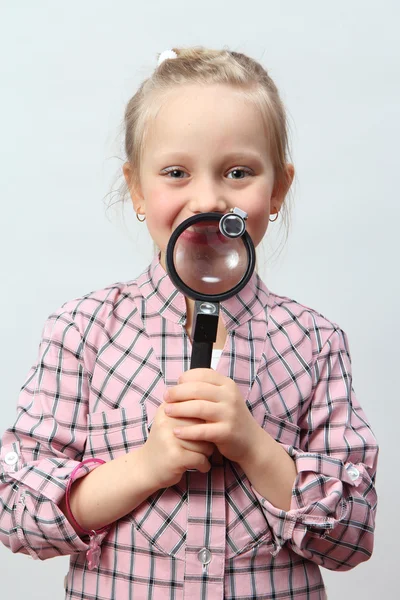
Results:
[168, 457]
[216, 399]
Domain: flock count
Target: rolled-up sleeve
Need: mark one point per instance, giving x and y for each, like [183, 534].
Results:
[45, 444]
[332, 514]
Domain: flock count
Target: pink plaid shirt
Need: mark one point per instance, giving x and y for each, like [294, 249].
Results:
[104, 363]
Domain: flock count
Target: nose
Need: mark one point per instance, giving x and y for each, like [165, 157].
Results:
[207, 198]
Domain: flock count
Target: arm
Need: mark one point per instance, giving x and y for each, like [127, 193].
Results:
[110, 491]
[270, 469]
[46, 443]
[331, 517]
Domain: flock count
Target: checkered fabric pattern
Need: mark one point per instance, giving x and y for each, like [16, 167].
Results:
[103, 365]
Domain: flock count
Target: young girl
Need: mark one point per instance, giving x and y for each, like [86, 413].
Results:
[238, 481]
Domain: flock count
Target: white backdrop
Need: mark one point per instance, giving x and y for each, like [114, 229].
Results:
[67, 70]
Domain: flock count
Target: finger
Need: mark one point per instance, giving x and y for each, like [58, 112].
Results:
[201, 433]
[195, 409]
[205, 375]
[196, 390]
[200, 447]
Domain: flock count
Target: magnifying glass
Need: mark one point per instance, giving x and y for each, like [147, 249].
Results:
[210, 257]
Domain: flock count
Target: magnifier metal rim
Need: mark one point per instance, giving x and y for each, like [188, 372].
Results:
[187, 291]
[230, 235]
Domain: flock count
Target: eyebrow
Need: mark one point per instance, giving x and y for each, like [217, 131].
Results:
[235, 155]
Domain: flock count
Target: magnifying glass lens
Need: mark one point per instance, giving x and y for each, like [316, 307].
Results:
[207, 261]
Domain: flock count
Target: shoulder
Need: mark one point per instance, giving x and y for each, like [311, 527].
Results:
[290, 316]
[86, 319]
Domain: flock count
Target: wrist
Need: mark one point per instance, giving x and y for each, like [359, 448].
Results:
[70, 500]
[258, 450]
[140, 472]
[270, 470]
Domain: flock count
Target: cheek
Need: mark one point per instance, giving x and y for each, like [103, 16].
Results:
[158, 208]
[160, 215]
[259, 212]
[258, 228]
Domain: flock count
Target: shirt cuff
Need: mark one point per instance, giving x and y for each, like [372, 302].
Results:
[37, 482]
[318, 501]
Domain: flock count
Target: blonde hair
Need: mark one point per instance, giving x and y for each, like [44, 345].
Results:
[199, 65]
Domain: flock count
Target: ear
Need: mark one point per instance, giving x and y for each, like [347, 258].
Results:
[134, 187]
[281, 188]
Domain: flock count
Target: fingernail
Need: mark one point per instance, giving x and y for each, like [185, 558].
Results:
[166, 395]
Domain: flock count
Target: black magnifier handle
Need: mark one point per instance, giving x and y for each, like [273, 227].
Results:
[204, 333]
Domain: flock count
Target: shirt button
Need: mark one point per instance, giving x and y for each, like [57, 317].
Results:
[353, 472]
[204, 556]
[11, 458]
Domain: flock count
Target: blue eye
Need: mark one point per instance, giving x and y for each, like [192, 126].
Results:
[173, 171]
[176, 173]
[240, 171]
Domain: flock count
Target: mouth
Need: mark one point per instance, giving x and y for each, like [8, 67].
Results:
[204, 228]
[203, 234]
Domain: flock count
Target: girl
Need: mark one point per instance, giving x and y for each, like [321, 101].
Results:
[164, 482]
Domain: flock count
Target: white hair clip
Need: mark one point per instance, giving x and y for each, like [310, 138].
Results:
[166, 55]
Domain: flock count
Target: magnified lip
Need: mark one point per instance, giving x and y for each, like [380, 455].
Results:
[203, 228]
[201, 235]
[201, 224]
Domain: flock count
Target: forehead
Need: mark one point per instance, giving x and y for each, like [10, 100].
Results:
[200, 118]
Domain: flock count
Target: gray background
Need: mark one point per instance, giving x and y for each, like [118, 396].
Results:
[67, 71]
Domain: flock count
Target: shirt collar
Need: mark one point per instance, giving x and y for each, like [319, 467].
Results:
[162, 296]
